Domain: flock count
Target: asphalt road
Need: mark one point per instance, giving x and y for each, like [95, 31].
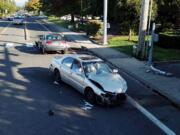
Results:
[28, 93]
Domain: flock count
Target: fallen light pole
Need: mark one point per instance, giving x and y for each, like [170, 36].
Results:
[151, 68]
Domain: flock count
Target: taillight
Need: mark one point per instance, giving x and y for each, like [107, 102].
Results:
[48, 42]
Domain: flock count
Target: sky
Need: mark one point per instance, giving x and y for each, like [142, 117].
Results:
[20, 2]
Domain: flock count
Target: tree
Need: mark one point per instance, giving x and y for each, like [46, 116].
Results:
[62, 7]
[33, 5]
[7, 5]
[169, 13]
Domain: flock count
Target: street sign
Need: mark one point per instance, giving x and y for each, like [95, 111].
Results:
[108, 25]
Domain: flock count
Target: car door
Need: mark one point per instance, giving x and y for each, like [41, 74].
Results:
[77, 76]
[66, 69]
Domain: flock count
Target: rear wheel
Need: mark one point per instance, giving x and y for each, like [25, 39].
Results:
[36, 43]
[57, 76]
[64, 51]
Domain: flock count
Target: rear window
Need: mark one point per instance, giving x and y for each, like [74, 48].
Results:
[18, 17]
[54, 37]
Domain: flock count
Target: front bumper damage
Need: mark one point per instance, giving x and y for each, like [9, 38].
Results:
[111, 98]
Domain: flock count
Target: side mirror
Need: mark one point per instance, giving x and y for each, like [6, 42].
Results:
[115, 71]
[79, 72]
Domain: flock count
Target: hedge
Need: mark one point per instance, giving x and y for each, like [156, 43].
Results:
[167, 40]
[94, 27]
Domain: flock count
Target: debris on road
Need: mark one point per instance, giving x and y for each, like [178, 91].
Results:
[50, 113]
[55, 82]
[86, 106]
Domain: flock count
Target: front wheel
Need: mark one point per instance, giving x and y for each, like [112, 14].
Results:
[90, 95]
[57, 76]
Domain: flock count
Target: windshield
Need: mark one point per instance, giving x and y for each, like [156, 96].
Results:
[96, 67]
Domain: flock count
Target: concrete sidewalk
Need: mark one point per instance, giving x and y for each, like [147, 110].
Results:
[167, 86]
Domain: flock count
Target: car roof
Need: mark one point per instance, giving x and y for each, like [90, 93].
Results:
[84, 57]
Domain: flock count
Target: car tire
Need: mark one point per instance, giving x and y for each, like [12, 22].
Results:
[57, 76]
[36, 43]
[65, 51]
[90, 95]
[122, 99]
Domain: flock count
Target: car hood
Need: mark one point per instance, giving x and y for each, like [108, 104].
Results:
[110, 82]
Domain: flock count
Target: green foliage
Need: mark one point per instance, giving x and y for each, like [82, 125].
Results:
[169, 14]
[169, 40]
[33, 5]
[61, 7]
[7, 6]
[94, 27]
[122, 13]
[122, 44]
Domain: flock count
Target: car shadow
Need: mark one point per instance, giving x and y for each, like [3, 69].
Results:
[29, 50]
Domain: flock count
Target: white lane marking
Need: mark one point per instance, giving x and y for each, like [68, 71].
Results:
[86, 106]
[150, 116]
[4, 30]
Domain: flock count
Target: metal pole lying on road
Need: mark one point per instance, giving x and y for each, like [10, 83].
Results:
[105, 22]
[150, 55]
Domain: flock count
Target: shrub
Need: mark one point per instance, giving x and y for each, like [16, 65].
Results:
[123, 28]
[169, 40]
[94, 27]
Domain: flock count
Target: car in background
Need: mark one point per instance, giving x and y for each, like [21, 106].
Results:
[42, 17]
[52, 42]
[91, 76]
[18, 20]
[11, 18]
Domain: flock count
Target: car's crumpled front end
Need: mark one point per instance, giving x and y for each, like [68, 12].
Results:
[111, 98]
[113, 88]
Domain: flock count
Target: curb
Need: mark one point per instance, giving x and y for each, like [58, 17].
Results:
[143, 82]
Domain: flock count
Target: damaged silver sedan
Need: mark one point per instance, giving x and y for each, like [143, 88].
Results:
[91, 76]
